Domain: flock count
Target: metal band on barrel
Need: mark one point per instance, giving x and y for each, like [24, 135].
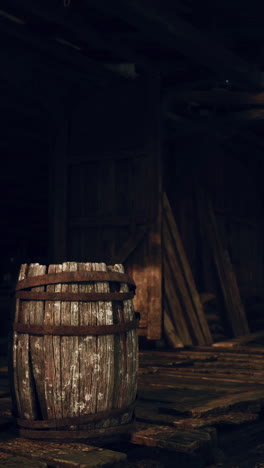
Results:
[75, 277]
[77, 434]
[75, 330]
[66, 296]
[86, 419]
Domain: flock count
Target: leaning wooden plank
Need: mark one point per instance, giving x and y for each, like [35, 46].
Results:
[187, 270]
[235, 293]
[227, 279]
[171, 299]
[240, 340]
[61, 455]
[169, 331]
[172, 439]
[173, 274]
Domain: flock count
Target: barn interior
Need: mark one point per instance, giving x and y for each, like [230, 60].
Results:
[132, 133]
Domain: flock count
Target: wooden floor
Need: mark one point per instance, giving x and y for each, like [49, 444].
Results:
[200, 407]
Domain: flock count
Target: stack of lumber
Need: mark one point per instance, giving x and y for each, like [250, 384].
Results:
[234, 309]
[188, 398]
[184, 319]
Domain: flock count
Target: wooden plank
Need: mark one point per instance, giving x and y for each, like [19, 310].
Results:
[186, 270]
[53, 360]
[234, 308]
[171, 300]
[240, 340]
[172, 439]
[252, 402]
[61, 455]
[173, 379]
[203, 353]
[172, 269]
[26, 397]
[169, 331]
[147, 411]
[36, 343]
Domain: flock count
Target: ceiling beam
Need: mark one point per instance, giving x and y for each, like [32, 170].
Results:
[176, 33]
[60, 58]
[82, 33]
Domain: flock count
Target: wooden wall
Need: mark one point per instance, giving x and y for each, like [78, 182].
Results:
[106, 187]
[235, 189]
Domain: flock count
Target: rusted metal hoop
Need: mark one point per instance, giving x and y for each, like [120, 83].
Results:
[66, 296]
[75, 330]
[64, 422]
[79, 434]
[74, 277]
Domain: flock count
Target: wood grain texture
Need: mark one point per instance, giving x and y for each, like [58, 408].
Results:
[73, 376]
[52, 363]
[72, 455]
[190, 296]
[226, 276]
[36, 343]
[27, 397]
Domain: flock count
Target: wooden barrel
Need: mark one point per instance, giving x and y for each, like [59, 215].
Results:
[75, 351]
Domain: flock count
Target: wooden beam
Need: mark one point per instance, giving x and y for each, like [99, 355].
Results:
[83, 33]
[175, 33]
[69, 63]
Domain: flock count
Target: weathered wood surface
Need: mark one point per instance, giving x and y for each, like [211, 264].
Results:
[194, 389]
[149, 412]
[172, 438]
[61, 455]
[71, 376]
[249, 338]
[184, 304]
[169, 330]
[174, 411]
[226, 275]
